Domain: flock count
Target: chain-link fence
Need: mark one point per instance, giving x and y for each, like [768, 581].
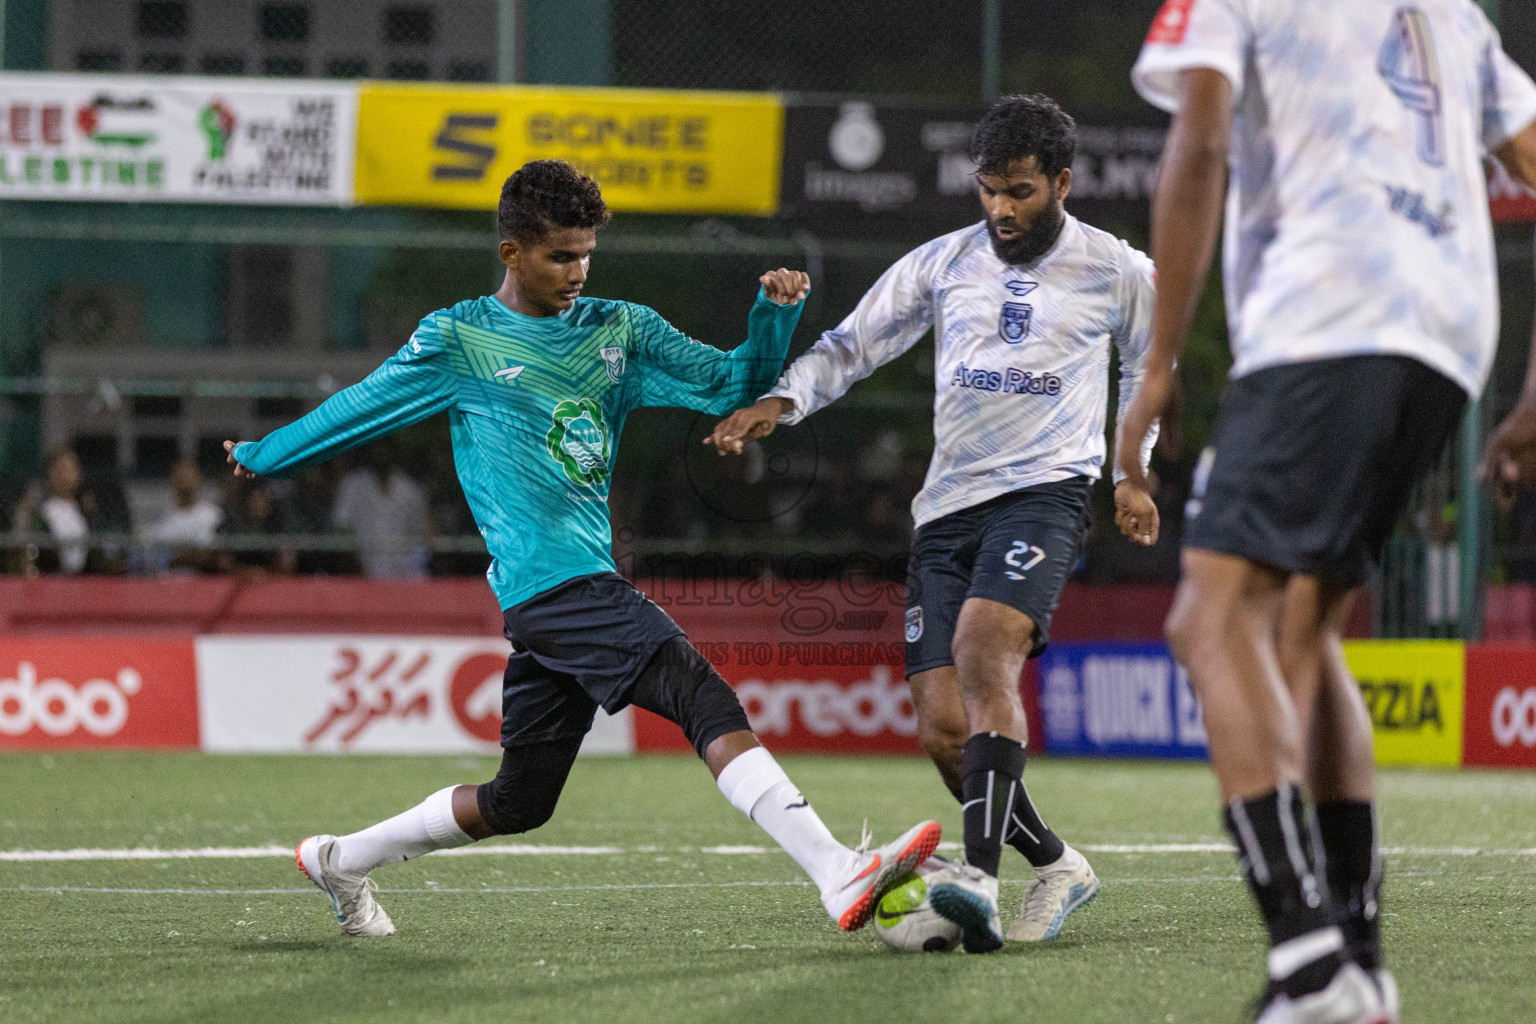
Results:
[452, 40]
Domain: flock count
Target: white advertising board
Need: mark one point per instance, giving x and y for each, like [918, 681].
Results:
[181, 139]
[365, 694]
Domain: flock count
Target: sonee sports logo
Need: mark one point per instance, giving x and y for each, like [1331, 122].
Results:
[579, 441]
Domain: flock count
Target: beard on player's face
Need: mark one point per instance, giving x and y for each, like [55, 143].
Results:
[1028, 241]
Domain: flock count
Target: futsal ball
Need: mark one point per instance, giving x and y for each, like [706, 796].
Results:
[906, 921]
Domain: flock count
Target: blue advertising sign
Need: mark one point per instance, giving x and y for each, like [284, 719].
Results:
[1118, 700]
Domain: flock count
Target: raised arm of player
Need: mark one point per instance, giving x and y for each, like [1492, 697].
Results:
[888, 321]
[1186, 216]
[676, 370]
[411, 385]
[1133, 340]
[1509, 461]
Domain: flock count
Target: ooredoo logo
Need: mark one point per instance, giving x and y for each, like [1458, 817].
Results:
[475, 695]
[1514, 717]
[59, 708]
[825, 708]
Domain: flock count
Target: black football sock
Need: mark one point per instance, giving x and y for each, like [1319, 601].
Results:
[991, 773]
[1028, 833]
[1348, 829]
[1279, 853]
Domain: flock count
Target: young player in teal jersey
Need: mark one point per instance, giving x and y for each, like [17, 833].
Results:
[537, 381]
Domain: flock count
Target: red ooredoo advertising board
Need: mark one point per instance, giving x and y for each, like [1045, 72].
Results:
[817, 666]
[1500, 706]
[99, 693]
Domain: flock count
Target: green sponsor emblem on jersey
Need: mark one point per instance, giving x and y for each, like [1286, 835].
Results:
[579, 441]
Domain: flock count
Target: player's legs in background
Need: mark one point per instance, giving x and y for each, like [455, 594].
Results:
[1340, 763]
[1223, 629]
[680, 685]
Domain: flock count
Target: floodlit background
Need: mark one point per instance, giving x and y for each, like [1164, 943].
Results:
[216, 213]
[142, 335]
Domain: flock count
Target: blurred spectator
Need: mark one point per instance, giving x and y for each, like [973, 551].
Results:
[1522, 538]
[388, 512]
[671, 509]
[888, 525]
[880, 462]
[184, 536]
[57, 507]
[1442, 568]
[253, 514]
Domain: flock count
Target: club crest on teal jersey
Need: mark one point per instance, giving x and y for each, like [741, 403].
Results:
[579, 441]
[613, 359]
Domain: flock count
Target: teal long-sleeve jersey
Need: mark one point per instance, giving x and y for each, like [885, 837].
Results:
[536, 406]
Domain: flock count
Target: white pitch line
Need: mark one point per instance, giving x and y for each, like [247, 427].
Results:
[434, 889]
[449, 891]
[528, 850]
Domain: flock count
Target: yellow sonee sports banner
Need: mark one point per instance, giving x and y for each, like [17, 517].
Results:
[652, 151]
[1415, 691]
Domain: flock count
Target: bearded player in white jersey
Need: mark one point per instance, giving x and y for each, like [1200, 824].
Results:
[1362, 296]
[1024, 307]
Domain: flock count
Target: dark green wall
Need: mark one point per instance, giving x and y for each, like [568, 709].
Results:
[567, 42]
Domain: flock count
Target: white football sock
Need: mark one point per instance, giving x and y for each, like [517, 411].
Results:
[428, 826]
[757, 787]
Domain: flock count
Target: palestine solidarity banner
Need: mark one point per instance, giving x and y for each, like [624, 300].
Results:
[182, 139]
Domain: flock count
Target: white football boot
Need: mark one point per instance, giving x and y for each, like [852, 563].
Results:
[1059, 889]
[351, 896]
[1350, 998]
[967, 897]
[1391, 1002]
[851, 902]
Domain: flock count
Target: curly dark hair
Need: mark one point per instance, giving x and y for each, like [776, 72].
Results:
[546, 194]
[1022, 126]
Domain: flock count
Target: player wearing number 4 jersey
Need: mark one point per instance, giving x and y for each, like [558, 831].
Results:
[1024, 308]
[1361, 291]
[537, 381]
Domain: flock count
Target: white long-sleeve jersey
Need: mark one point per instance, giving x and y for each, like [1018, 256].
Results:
[1357, 220]
[1021, 357]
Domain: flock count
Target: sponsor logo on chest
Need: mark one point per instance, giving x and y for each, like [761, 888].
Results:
[1011, 381]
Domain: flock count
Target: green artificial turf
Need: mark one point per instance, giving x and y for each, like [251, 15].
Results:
[670, 930]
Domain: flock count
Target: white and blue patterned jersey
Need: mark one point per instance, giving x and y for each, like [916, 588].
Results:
[1021, 357]
[1357, 217]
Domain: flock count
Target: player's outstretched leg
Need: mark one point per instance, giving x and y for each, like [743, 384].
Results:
[339, 867]
[680, 685]
[520, 798]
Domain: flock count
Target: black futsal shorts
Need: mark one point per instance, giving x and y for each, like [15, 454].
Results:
[578, 646]
[1311, 464]
[1016, 549]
